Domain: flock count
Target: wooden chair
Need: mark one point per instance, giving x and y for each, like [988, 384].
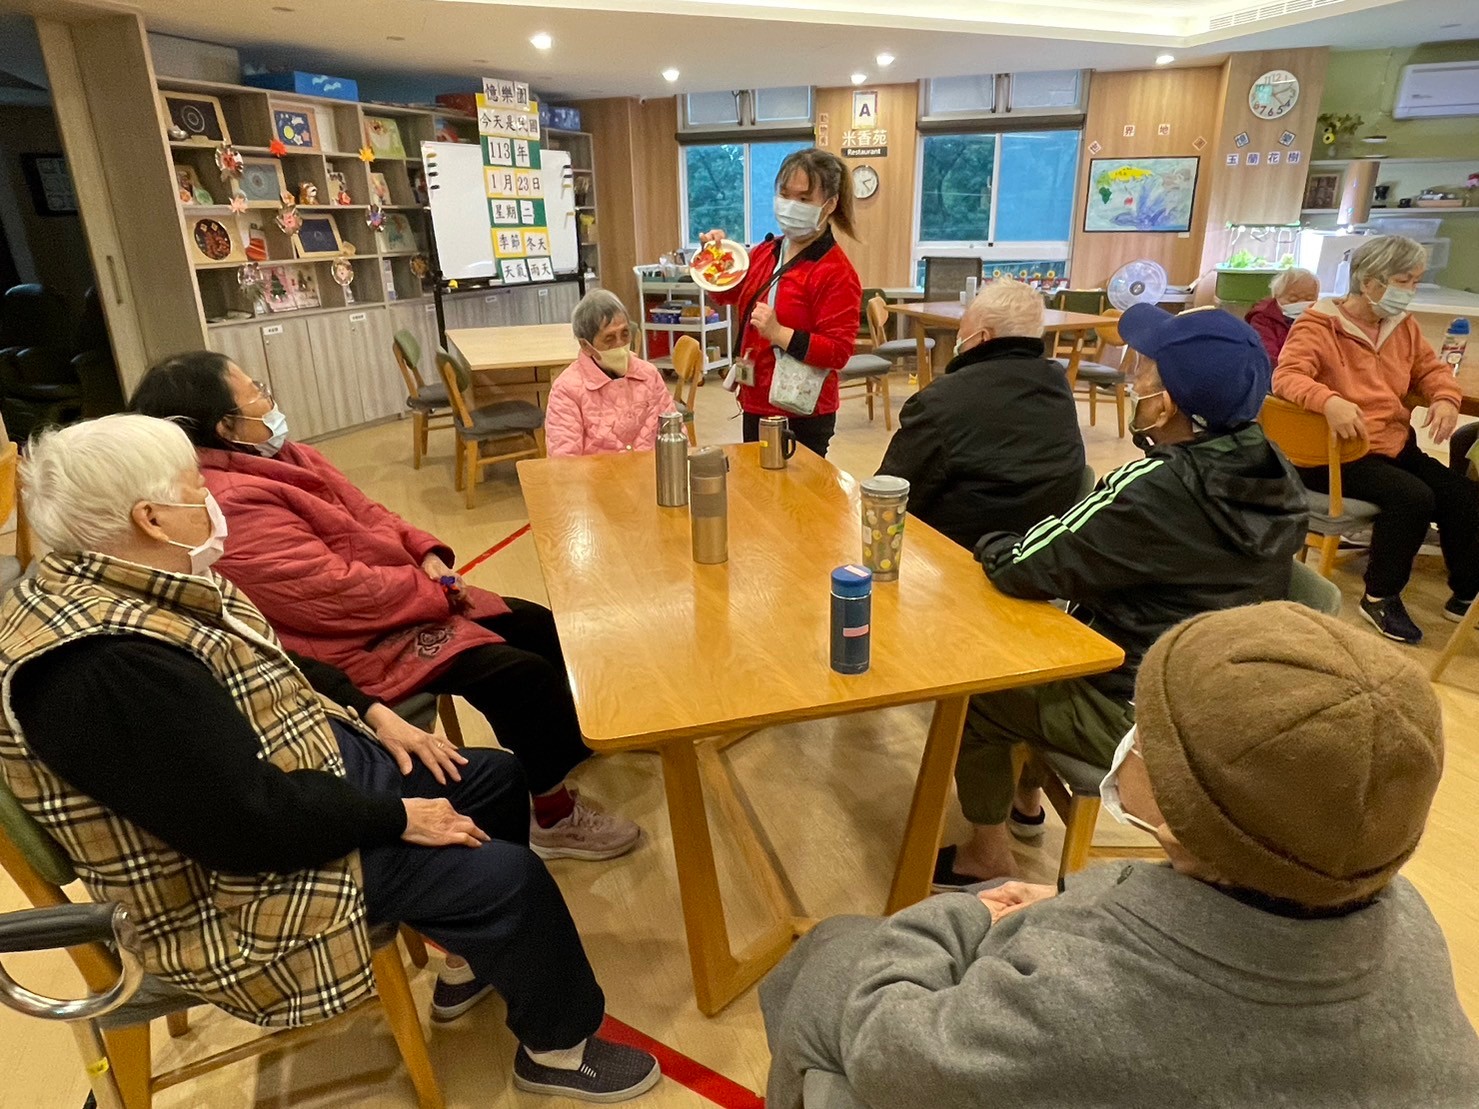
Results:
[895, 350]
[1112, 372]
[867, 340]
[868, 372]
[1307, 440]
[424, 709]
[1091, 302]
[688, 368]
[429, 405]
[494, 433]
[1456, 641]
[40, 868]
[10, 501]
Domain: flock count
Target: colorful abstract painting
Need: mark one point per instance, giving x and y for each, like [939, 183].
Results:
[1140, 194]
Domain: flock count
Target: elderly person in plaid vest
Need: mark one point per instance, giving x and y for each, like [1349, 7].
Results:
[255, 829]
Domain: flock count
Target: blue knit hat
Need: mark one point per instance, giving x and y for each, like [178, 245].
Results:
[1212, 363]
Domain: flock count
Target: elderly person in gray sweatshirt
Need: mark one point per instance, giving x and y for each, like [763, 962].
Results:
[1286, 762]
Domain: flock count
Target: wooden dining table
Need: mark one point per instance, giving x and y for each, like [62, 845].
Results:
[945, 314]
[517, 361]
[685, 658]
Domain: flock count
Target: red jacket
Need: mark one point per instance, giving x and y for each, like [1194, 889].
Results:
[337, 575]
[1268, 319]
[820, 297]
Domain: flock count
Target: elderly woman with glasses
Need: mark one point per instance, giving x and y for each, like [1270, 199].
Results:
[607, 400]
[1354, 359]
[348, 582]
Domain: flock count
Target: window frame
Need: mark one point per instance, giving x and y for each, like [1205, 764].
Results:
[745, 236]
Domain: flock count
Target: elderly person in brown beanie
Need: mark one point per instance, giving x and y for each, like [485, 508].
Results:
[1286, 762]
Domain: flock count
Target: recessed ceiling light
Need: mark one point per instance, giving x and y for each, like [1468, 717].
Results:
[859, 78]
[1448, 26]
[282, 8]
[541, 41]
[480, 61]
[670, 75]
[884, 60]
[395, 38]
[1164, 59]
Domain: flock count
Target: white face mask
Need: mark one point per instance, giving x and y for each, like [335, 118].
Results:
[964, 339]
[1109, 788]
[1393, 302]
[277, 424]
[1297, 308]
[204, 555]
[797, 218]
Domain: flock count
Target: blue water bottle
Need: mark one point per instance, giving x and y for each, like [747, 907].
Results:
[852, 613]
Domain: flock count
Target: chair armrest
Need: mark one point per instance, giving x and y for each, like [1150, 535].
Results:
[71, 926]
[60, 926]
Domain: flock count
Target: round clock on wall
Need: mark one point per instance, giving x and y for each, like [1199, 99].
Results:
[1274, 94]
[864, 182]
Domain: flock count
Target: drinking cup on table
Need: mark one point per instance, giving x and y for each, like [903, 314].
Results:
[885, 502]
[777, 442]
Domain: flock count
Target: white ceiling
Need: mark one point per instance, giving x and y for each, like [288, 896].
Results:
[620, 47]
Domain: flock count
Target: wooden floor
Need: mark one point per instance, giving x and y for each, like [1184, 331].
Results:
[832, 795]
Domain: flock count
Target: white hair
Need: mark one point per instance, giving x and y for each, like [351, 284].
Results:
[1289, 278]
[80, 483]
[595, 310]
[1386, 256]
[1005, 307]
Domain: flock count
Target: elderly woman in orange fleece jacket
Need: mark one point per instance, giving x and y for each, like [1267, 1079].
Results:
[1355, 358]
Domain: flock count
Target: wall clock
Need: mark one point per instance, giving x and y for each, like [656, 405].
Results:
[1274, 94]
[864, 182]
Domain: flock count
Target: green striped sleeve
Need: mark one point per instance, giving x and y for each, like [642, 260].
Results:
[1080, 514]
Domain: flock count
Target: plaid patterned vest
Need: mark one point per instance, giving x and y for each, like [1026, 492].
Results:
[274, 949]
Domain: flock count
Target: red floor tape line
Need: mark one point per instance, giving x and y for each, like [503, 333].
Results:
[708, 1084]
[493, 550]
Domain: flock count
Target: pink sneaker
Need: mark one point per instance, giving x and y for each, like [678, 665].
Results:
[586, 833]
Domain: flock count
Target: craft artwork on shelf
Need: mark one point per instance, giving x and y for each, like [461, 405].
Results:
[256, 243]
[215, 240]
[387, 273]
[420, 267]
[342, 271]
[238, 203]
[318, 237]
[375, 217]
[308, 194]
[339, 188]
[380, 189]
[288, 217]
[194, 117]
[418, 186]
[306, 295]
[396, 236]
[262, 181]
[191, 191]
[229, 162]
[1140, 194]
[383, 136]
[250, 279]
[293, 127]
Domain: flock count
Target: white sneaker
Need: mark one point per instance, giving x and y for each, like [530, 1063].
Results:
[586, 833]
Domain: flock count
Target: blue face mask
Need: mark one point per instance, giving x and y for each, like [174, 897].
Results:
[277, 424]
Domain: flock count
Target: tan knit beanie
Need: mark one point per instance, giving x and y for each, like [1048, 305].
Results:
[1294, 754]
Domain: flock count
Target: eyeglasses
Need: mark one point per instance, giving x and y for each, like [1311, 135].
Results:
[264, 392]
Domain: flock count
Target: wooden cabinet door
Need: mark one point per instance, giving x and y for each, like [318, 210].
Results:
[290, 371]
[375, 376]
[562, 301]
[523, 305]
[243, 345]
[334, 372]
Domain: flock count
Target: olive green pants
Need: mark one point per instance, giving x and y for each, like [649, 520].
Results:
[1071, 716]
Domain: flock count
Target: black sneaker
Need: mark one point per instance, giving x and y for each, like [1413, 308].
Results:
[1029, 829]
[1456, 609]
[1389, 616]
[448, 1002]
[609, 1072]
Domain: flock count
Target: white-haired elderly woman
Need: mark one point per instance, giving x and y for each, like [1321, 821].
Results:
[1355, 358]
[1292, 293]
[994, 444]
[155, 726]
[607, 400]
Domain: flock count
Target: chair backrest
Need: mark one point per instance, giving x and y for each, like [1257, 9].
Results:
[688, 366]
[1111, 340]
[945, 278]
[457, 377]
[1089, 301]
[35, 316]
[1308, 588]
[407, 353]
[865, 329]
[1307, 439]
[876, 309]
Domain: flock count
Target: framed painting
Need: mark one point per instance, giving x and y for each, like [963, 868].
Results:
[383, 137]
[380, 190]
[396, 235]
[262, 180]
[197, 115]
[279, 288]
[1139, 195]
[294, 127]
[318, 238]
[213, 239]
[187, 183]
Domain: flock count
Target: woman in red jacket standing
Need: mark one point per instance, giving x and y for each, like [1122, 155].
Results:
[800, 302]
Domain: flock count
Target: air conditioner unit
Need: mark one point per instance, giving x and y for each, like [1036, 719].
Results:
[1438, 89]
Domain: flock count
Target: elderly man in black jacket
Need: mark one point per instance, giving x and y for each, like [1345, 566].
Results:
[994, 444]
[1210, 518]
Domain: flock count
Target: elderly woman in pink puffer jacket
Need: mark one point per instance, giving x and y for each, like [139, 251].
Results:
[608, 399]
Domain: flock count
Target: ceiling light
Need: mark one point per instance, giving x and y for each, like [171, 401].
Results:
[480, 61]
[541, 41]
[884, 60]
[395, 38]
[859, 78]
[670, 75]
[1164, 59]
[282, 8]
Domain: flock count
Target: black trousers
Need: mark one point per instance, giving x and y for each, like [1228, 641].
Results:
[812, 432]
[1412, 490]
[495, 905]
[521, 688]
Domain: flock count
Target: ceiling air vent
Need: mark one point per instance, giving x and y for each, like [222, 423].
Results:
[1258, 14]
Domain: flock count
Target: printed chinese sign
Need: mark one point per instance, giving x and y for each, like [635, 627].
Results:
[508, 123]
[864, 142]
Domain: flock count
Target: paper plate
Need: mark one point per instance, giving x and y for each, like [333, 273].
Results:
[735, 275]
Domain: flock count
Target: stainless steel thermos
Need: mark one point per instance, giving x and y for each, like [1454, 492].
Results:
[672, 461]
[709, 504]
[777, 442]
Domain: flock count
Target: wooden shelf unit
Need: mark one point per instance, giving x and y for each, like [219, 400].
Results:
[652, 290]
[582, 150]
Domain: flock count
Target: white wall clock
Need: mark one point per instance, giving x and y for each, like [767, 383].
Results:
[1274, 94]
[864, 182]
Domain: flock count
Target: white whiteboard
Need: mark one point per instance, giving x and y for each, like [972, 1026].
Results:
[459, 209]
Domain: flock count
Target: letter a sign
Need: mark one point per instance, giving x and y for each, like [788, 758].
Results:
[864, 110]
